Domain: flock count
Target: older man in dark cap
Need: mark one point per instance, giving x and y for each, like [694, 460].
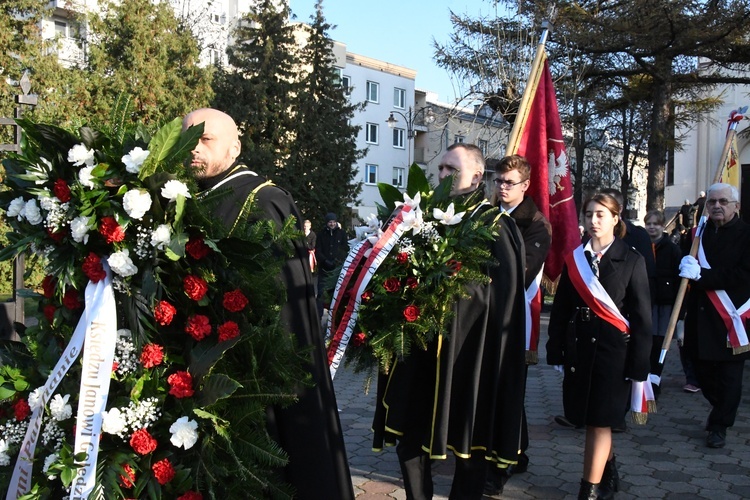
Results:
[330, 250]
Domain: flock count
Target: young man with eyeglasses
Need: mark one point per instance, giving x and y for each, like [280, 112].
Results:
[511, 180]
[719, 292]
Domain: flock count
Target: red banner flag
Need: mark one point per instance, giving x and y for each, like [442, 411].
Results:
[541, 142]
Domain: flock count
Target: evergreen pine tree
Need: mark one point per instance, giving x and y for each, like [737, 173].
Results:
[259, 88]
[321, 169]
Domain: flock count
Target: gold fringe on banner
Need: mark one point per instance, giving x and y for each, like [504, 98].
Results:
[741, 349]
[532, 357]
[550, 286]
[651, 406]
[639, 418]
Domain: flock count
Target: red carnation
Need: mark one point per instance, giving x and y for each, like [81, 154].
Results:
[412, 283]
[49, 312]
[392, 285]
[197, 248]
[115, 366]
[198, 327]
[21, 409]
[367, 296]
[163, 471]
[58, 235]
[111, 230]
[152, 355]
[195, 287]
[92, 268]
[61, 190]
[358, 339]
[181, 384]
[191, 495]
[402, 258]
[455, 266]
[228, 330]
[164, 312]
[411, 313]
[70, 300]
[127, 480]
[142, 442]
[235, 301]
[48, 286]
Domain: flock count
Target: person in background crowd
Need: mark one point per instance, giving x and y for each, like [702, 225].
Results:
[699, 207]
[310, 244]
[511, 181]
[599, 348]
[330, 250]
[719, 290]
[667, 257]
[308, 430]
[464, 393]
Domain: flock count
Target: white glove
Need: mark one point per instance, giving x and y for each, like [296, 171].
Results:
[559, 368]
[689, 268]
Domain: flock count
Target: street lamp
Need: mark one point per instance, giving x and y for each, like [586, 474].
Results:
[410, 117]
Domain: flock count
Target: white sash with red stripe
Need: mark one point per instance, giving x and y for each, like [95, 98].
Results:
[360, 266]
[592, 292]
[733, 317]
[642, 400]
[533, 308]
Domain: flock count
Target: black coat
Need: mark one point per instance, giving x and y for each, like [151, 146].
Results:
[727, 250]
[537, 236]
[331, 248]
[668, 256]
[308, 430]
[597, 357]
[466, 393]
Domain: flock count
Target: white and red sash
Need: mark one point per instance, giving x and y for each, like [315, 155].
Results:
[642, 400]
[533, 309]
[733, 317]
[592, 292]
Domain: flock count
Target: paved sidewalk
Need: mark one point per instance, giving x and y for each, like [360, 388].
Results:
[666, 458]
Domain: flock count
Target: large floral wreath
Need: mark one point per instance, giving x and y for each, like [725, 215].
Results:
[129, 248]
[397, 287]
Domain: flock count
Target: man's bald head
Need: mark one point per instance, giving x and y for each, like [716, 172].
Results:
[218, 147]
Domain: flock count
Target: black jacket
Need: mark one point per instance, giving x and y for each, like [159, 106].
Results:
[668, 256]
[537, 236]
[331, 248]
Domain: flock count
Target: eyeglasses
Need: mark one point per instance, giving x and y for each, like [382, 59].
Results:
[721, 201]
[506, 184]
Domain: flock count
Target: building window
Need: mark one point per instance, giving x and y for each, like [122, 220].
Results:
[398, 138]
[483, 147]
[398, 176]
[399, 98]
[213, 56]
[346, 83]
[371, 133]
[458, 139]
[373, 92]
[371, 174]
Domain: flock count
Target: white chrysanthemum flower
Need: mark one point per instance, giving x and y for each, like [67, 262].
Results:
[48, 463]
[4, 457]
[134, 160]
[80, 154]
[48, 203]
[16, 208]
[161, 236]
[85, 177]
[121, 264]
[449, 217]
[32, 213]
[35, 398]
[79, 229]
[59, 407]
[174, 188]
[113, 421]
[136, 203]
[184, 433]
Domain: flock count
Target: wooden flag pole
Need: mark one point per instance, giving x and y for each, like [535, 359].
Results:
[734, 119]
[528, 93]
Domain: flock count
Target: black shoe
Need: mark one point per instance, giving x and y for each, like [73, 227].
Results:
[496, 479]
[564, 422]
[588, 491]
[716, 439]
[610, 482]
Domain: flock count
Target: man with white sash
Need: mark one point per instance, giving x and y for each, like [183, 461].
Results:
[511, 181]
[716, 338]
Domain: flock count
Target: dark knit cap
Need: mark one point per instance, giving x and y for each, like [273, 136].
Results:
[330, 216]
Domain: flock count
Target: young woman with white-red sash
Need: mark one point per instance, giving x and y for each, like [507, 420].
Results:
[600, 337]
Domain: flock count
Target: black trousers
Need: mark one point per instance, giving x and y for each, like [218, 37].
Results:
[721, 384]
[416, 468]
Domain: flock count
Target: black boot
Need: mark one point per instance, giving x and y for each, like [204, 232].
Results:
[610, 480]
[588, 491]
